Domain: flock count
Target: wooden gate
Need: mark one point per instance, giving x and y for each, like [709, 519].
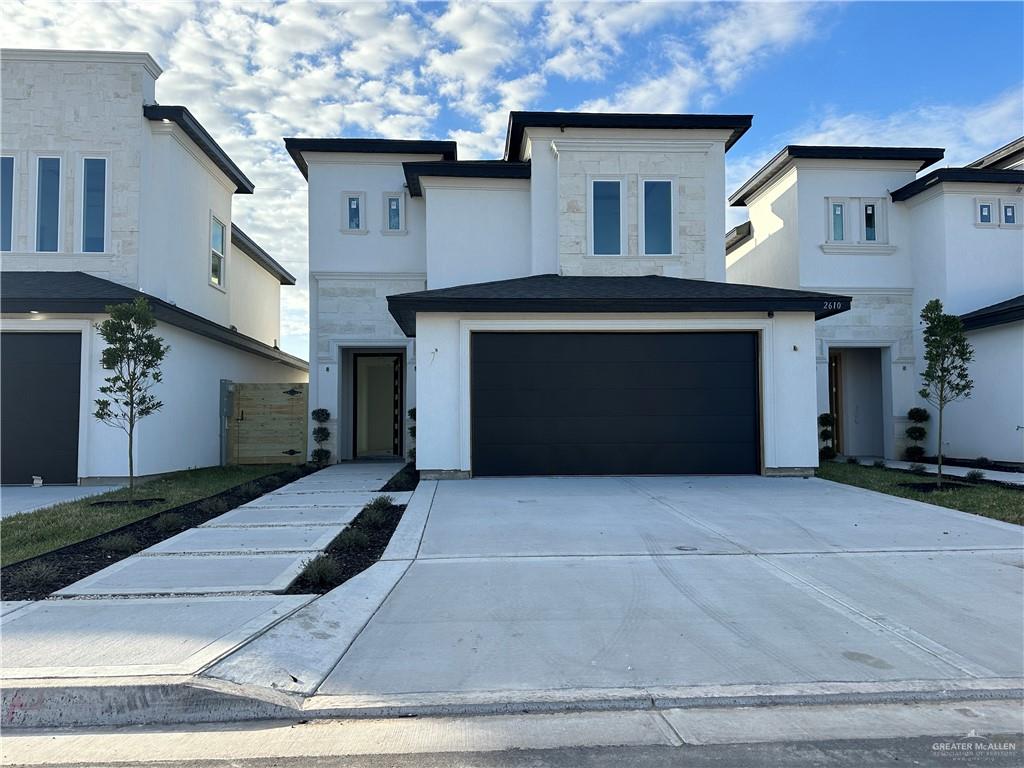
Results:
[264, 423]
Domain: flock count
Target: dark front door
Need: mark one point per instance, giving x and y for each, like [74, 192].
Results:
[39, 406]
[614, 403]
[378, 401]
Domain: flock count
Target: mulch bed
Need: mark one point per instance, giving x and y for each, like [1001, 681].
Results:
[354, 550]
[37, 577]
[933, 487]
[994, 466]
[406, 479]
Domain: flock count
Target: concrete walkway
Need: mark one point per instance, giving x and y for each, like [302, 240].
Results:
[1014, 478]
[15, 499]
[166, 626]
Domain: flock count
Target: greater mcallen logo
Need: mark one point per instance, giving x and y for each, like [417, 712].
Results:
[973, 745]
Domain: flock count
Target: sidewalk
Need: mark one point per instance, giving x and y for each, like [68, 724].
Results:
[1014, 478]
[176, 607]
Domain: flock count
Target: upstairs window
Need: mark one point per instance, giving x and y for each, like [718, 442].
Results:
[47, 204]
[838, 225]
[606, 217]
[217, 244]
[870, 222]
[985, 212]
[394, 213]
[657, 218]
[353, 212]
[94, 205]
[856, 221]
[1008, 213]
[6, 202]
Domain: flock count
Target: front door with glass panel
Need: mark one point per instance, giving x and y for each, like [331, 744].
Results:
[377, 405]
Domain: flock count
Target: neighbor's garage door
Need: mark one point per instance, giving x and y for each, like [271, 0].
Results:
[39, 406]
[614, 403]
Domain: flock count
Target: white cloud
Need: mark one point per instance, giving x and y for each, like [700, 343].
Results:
[672, 90]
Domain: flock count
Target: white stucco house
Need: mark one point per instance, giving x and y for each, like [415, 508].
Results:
[860, 221]
[106, 195]
[562, 310]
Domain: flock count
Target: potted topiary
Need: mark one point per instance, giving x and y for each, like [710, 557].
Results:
[321, 434]
[827, 422]
[917, 433]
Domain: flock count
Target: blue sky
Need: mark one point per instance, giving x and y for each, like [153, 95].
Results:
[926, 74]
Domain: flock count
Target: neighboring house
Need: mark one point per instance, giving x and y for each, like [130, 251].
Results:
[859, 221]
[563, 310]
[107, 196]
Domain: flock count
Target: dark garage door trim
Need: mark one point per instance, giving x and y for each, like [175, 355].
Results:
[696, 365]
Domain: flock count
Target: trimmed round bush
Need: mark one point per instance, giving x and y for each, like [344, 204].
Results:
[975, 475]
[916, 433]
[826, 434]
[983, 461]
[320, 415]
[827, 452]
[321, 455]
[913, 452]
[918, 415]
[826, 420]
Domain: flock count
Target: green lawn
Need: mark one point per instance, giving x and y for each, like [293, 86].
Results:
[43, 530]
[988, 500]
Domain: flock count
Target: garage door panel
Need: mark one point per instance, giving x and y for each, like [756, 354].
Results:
[39, 387]
[638, 402]
[614, 403]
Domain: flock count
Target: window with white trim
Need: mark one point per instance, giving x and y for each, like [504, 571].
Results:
[218, 244]
[6, 202]
[856, 221]
[606, 212]
[656, 229]
[837, 221]
[353, 212]
[394, 213]
[94, 205]
[985, 212]
[48, 204]
[1009, 213]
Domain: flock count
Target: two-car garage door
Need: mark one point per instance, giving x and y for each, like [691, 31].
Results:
[614, 403]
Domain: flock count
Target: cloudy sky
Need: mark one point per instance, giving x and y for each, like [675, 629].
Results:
[927, 74]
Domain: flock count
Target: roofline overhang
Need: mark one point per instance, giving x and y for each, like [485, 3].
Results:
[250, 248]
[462, 169]
[296, 146]
[925, 156]
[738, 235]
[959, 176]
[1004, 312]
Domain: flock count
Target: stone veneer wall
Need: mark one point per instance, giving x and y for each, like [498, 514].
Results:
[356, 309]
[72, 109]
[688, 169]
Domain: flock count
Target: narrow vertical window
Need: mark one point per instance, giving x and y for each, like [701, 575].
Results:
[394, 214]
[985, 213]
[657, 218]
[216, 252]
[94, 205]
[6, 202]
[1009, 213]
[838, 223]
[354, 213]
[870, 229]
[47, 204]
[607, 218]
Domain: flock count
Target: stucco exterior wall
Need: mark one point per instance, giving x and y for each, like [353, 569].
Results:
[787, 379]
[72, 106]
[772, 255]
[255, 299]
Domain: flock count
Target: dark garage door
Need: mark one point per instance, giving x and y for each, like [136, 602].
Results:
[39, 406]
[614, 403]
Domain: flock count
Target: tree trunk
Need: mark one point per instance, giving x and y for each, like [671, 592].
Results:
[939, 483]
[131, 463]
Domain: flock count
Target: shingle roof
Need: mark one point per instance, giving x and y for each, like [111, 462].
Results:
[79, 293]
[923, 155]
[251, 249]
[1008, 311]
[1003, 157]
[958, 175]
[465, 169]
[195, 131]
[558, 293]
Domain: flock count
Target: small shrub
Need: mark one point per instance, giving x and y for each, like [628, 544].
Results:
[169, 522]
[354, 539]
[120, 543]
[975, 476]
[983, 461]
[918, 469]
[826, 420]
[913, 452]
[878, 464]
[321, 415]
[321, 456]
[826, 435]
[251, 490]
[321, 434]
[917, 433]
[853, 460]
[291, 475]
[36, 577]
[827, 452]
[213, 506]
[918, 415]
[373, 518]
[321, 571]
[381, 503]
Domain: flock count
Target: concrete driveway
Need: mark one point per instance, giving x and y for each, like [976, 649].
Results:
[581, 583]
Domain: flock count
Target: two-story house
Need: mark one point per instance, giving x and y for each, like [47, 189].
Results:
[859, 221]
[562, 310]
[106, 195]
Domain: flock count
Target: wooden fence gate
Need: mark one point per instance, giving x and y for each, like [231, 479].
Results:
[263, 423]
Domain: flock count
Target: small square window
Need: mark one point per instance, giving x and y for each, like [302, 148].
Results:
[985, 212]
[1009, 213]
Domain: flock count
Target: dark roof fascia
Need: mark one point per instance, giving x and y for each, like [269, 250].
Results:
[1008, 152]
[773, 168]
[404, 307]
[1009, 311]
[738, 235]
[519, 121]
[958, 175]
[249, 247]
[465, 169]
[296, 146]
[162, 310]
[195, 131]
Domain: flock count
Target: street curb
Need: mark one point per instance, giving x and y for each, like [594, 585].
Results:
[54, 703]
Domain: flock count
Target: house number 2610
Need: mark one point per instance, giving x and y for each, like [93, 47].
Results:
[833, 305]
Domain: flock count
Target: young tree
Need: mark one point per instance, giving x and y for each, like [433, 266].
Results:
[133, 355]
[947, 354]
